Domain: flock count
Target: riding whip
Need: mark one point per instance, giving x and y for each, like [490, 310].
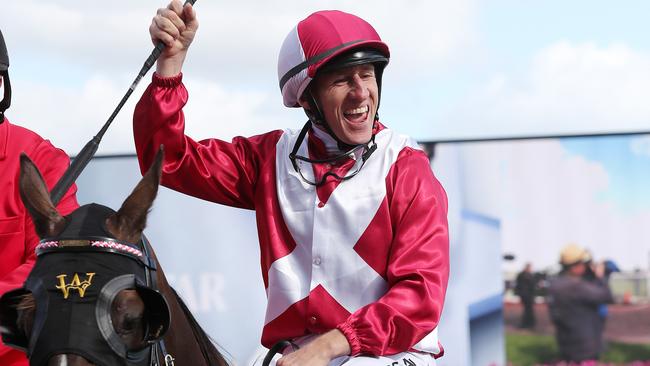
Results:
[277, 348]
[89, 150]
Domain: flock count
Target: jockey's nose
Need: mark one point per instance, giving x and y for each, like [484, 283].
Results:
[358, 88]
[68, 360]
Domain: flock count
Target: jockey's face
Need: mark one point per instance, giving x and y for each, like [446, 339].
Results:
[348, 100]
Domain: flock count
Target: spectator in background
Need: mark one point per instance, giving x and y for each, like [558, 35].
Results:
[574, 303]
[609, 267]
[525, 288]
[17, 237]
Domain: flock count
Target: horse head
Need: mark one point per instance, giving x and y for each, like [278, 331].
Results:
[96, 294]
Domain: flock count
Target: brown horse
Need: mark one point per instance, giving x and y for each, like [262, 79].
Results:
[97, 294]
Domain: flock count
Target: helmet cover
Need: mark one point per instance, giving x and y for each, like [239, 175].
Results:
[4, 56]
[317, 39]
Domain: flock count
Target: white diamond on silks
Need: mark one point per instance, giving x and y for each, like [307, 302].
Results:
[329, 232]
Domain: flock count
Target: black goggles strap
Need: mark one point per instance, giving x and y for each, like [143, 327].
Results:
[6, 100]
[152, 282]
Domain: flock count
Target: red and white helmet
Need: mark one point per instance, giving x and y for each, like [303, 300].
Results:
[316, 40]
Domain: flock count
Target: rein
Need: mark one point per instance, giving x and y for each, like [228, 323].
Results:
[277, 348]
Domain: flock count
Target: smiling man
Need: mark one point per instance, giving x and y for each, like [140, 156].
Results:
[347, 98]
[352, 222]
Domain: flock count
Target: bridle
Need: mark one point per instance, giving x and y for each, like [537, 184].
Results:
[158, 348]
[145, 282]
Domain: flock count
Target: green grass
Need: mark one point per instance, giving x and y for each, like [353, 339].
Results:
[529, 349]
[532, 349]
[626, 353]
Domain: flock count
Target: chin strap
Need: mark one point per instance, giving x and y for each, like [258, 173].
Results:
[6, 100]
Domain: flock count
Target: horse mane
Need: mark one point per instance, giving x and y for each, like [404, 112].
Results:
[210, 352]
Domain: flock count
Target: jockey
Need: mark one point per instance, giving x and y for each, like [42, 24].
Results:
[352, 223]
[17, 237]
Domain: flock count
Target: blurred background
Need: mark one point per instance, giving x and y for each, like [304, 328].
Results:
[534, 115]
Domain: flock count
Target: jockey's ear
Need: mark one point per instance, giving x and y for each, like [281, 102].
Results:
[130, 220]
[48, 222]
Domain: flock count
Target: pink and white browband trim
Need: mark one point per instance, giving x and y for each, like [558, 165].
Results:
[47, 244]
[96, 244]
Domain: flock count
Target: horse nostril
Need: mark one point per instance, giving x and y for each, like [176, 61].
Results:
[68, 360]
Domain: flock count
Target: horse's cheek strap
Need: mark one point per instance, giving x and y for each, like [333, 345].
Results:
[40, 315]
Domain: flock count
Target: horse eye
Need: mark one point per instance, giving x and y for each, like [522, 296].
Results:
[131, 323]
[128, 313]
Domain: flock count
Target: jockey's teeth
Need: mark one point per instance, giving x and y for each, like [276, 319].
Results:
[357, 110]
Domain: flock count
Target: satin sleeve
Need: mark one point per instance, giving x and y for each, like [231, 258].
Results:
[210, 169]
[52, 163]
[418, 266]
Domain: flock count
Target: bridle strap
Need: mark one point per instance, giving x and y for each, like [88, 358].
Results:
[169, 359]
[157, 350]
[152, 282]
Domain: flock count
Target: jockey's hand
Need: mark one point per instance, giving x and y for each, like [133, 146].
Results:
[318, 352]
[175, 26]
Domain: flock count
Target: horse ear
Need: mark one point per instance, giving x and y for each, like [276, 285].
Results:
[48, 222]
[130, 220]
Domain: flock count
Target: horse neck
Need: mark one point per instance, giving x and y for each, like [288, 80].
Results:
[185, 340]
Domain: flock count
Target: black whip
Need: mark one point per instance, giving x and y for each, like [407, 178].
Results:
[89, 150]
[277, 348]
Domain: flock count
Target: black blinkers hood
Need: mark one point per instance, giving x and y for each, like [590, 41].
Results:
[74, 288]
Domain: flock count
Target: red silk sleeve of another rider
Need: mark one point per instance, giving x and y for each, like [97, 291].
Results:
[51, 162]
[418, 265]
